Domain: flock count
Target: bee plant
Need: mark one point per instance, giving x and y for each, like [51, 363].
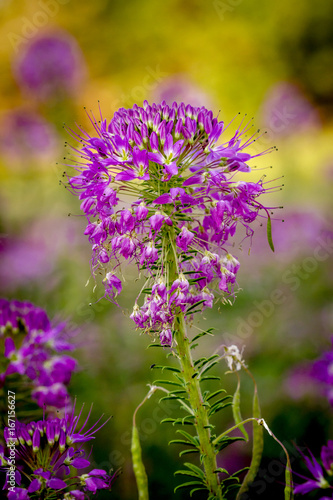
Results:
[165, 187]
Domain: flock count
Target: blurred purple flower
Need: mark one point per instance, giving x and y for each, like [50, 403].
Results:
[52, 66]
[26, 136]
[286, 110]
[179, 88]
[297, 236]
[33, 348]
[297, 384]
[322, 370]
[33, 256]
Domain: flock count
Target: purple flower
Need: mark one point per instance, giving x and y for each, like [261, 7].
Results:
[184, 238]
[326, 456]
[189, 197]
[286, 110]
[37, 354]
[18, 494]
[48, 454]
[322, 371]
[95, 480]
[50, 67]
[316, 470]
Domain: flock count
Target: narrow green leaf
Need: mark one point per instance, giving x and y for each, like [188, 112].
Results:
[269, 233]
[170, 368]
[193, 306]
[196, 469]
[192, 439]
[186, 452]
[186, 485]
[211, 377]
[220, 469]
[196, 489]
[208, 367]
[213, 394]
[187, 473]
[226, 441]
[168, 382]
[202, 334]
[217, 408]
[181, 441]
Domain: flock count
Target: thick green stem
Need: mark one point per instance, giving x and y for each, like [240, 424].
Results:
[193, 389]
[196, 401]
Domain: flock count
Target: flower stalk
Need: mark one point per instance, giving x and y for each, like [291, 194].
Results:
[192, 384]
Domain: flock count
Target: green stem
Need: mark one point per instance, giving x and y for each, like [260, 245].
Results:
[192, 387]
[201, 421]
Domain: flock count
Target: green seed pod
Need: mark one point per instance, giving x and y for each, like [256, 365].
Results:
[138, 467]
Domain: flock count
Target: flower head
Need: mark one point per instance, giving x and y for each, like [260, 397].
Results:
[34, 349]
[320, 474]
[49, 454]
[188, 203]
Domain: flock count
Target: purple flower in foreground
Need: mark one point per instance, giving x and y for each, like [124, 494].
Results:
[317, 471]
[48, 454]
[188, 197]
[326, 456]
[51, 66]
[35, 349]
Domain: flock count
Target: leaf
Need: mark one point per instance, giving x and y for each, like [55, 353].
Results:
[196, 469]
[217, 408]
[269, 233]
[212, 377]
[181, 441]
[202, 334]
[226, 441]
[213, 394]
[196, 489]
[236, 410]
[186, 473]
[193, 306]
[186, 485]
[168, 382]
[170, 368]
[186, 452]
[192, 439]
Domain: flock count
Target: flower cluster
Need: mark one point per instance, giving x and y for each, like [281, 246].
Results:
[34, 349]
[322, 473]
[188, 202]
[323, 372]
[48, 454]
